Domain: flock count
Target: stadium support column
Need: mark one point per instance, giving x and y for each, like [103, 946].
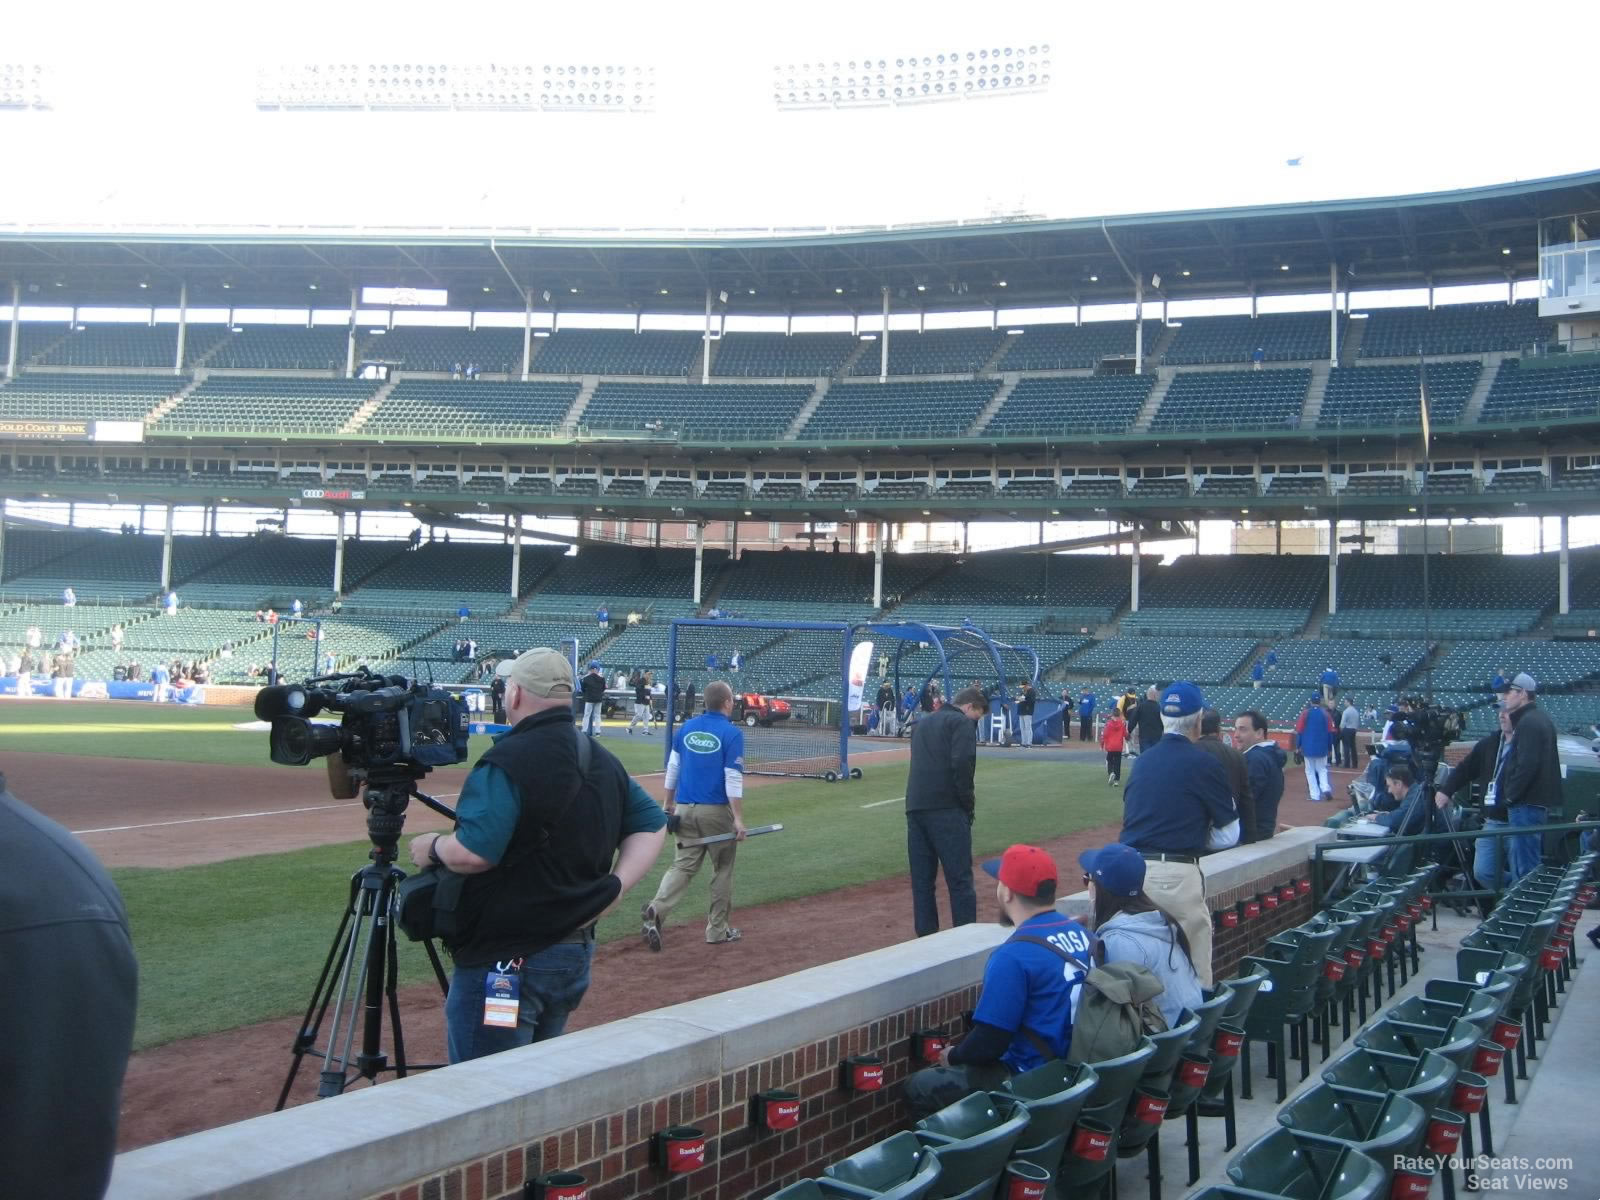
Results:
[350, 336]
[338, 559]
[705, 342]
[1133, 581]
[883, 342]
[877, 566]
[527, 334]
[16, 317]
[2, 537]
[183, 325]
[1333, 565]
[1333, 314]
[166, 553]
[1138, 327]
[699, 556]
[1563, 573]
[516, 558]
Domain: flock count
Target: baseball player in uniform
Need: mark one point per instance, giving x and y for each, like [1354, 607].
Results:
[705, 797]
[1178, 806]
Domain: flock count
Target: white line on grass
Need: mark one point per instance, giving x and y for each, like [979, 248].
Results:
[275, 812]
[881, 803]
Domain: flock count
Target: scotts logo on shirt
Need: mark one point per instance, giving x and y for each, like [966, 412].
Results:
[703, 743]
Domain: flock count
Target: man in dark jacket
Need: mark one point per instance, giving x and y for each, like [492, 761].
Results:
[1264, 760]
[593, 689]
[940, 804]
[888, 710]
[1480, 766]
[1233, 766]
[1025, 707]
[1147, 718]
[67, 995]
[1528, 781]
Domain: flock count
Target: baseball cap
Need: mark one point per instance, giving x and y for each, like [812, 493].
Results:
[1117, 868]
[540, 672]
[1316, 697]
[1023, 869]
[1521, 680]
[1181, 699]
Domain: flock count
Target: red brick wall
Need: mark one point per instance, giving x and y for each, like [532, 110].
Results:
[1228, 946]
[613, 1151]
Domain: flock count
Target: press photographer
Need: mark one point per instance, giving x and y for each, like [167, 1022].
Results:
[539, 822]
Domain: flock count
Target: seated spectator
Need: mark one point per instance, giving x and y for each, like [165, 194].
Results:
[1131, 927]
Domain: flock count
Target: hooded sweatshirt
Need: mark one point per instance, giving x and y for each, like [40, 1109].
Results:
[1146, 939]
[1265, 761]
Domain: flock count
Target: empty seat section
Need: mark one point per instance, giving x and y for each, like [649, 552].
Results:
[1258, 595]
[896, 408]
[1159, 660]
[772, 355]
[1385, 396]
[936, 352]
[1471, 665]
[1069, 347]
[1521, 392]
[1012, 591]
[35, 338]
[115, 346]
[485, 409]
[1070, 404]
[692, 410]
[623, 579]
[443, 576]
[106, 568]
[291, 405]
[86, 397]
[1359, 661]
[1203, 400]
[798, 586]
[1472, 596]
[283, 348]
[1452, 329]
[1282, 337]
[615, 352]
[273, 570]
[419, 348]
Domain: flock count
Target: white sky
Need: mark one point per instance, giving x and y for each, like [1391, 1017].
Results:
[1161, 106]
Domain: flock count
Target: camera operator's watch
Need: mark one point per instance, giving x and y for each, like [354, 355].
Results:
[433, 851]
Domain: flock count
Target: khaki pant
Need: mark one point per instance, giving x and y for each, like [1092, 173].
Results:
[698, 821]
[1181, 890]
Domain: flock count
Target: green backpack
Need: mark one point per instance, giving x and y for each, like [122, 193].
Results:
[1116, 1010]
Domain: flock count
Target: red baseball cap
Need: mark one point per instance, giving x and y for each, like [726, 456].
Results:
[1024, 869]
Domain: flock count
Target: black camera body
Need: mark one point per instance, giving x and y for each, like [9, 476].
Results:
[390, 724]
[1428, 727]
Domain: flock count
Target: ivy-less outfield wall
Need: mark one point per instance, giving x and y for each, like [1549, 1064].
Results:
[590, 1101]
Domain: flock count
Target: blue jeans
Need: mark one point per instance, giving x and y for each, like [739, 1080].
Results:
[553, 983]
[1526, 852]
[1486, 862]
[935, 838]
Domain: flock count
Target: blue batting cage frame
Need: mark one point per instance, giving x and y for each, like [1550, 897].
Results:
[951, 641]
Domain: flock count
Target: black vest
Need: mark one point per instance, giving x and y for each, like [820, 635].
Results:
[555, 876]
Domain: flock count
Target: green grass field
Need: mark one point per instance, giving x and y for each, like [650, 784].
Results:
[229, 944]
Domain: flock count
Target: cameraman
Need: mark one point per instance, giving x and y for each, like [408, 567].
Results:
[536, 838]
[1482, 765]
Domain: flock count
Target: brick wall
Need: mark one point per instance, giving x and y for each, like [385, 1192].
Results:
[1228, 946]
[742, 1159]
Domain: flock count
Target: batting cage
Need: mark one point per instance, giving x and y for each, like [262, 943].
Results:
[800, 686]
[299, 649]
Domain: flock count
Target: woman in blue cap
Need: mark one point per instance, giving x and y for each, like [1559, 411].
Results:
[1131, 927]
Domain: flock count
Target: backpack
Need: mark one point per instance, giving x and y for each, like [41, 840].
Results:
[1116, 1009]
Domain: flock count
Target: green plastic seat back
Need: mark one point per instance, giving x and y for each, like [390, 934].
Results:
[982, 1155]
[1051, 1113]
[880, 1167]
[970, 1115]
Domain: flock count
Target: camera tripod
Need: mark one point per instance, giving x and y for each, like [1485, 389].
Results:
[364, 953]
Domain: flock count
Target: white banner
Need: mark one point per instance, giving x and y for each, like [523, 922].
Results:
[860, 660]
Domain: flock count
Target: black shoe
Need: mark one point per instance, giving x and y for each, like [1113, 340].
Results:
[1594, 937]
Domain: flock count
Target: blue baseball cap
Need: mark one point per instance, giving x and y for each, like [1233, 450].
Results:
[1117, 868]
[1181, 699]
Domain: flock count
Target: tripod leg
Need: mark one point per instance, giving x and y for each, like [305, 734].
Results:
[306, 1038]
[355, 980]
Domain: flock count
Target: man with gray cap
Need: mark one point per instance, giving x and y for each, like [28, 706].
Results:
[550, 832]
[1177, 807]
[1527, 779]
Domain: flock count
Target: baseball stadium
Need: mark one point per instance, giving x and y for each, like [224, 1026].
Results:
[807, 423]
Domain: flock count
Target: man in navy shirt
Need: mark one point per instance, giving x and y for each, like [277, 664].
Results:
[1177, 807]
[705, 797]
[1085, 716]
[1030, 989]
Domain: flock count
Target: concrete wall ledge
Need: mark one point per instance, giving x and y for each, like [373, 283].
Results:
[371, 1139]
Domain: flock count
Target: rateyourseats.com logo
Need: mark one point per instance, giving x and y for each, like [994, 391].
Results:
[703, 743]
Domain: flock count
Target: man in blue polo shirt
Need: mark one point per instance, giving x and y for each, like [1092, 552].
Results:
[1030, 989]
[705, 797]
[1178, 806]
